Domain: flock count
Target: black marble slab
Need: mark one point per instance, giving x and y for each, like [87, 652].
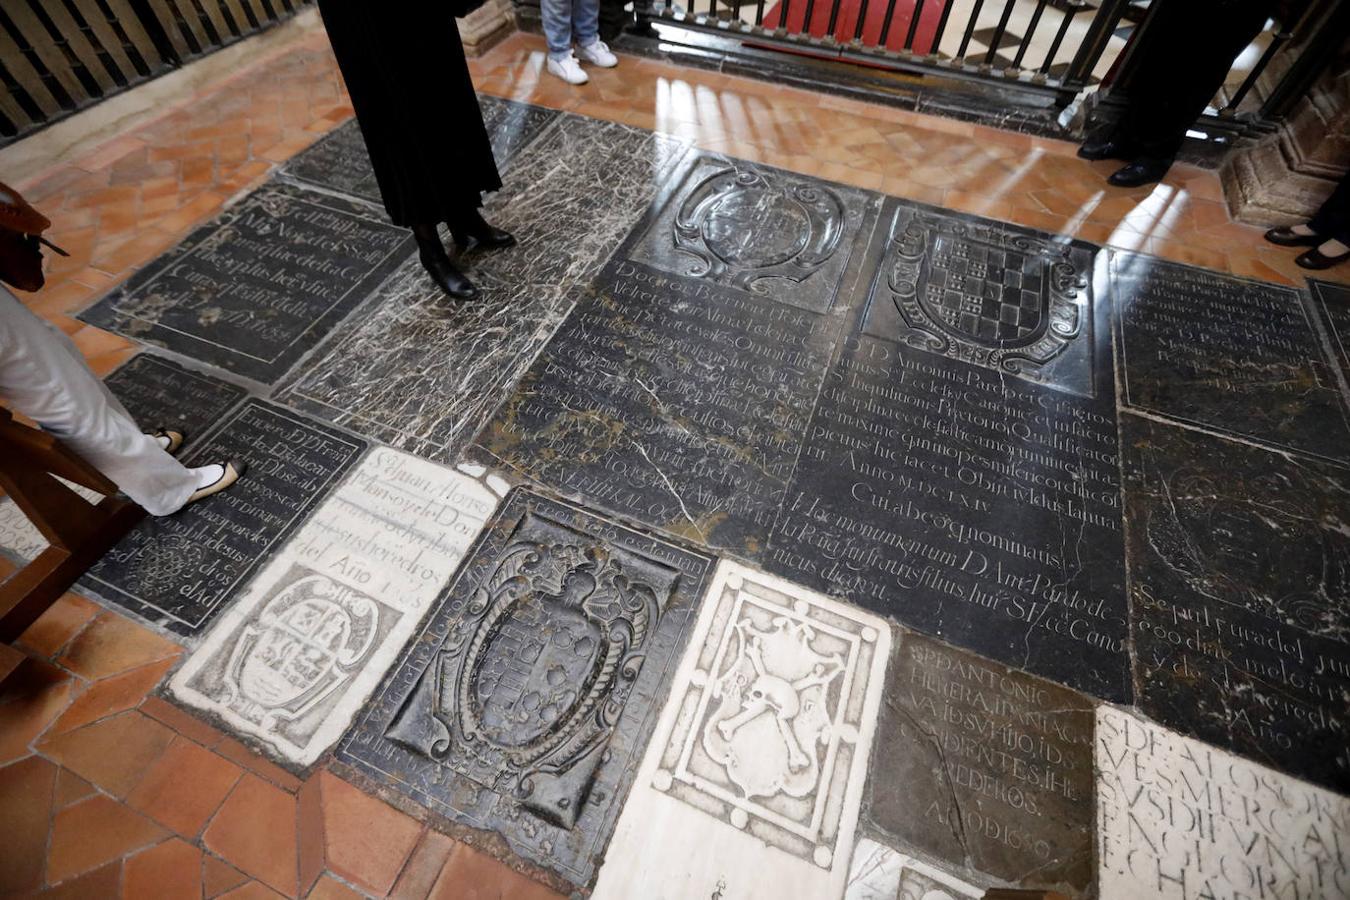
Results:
[680, 400]
[1227, 353]
[181, 570]
[1240, 597]
[161, 393]
[260, 285]
[960, 472]
[338, 161]
[1332, 301]
[525, 703]
[422, 373]
[984, 767]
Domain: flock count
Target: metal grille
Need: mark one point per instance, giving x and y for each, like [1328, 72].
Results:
[59, 56]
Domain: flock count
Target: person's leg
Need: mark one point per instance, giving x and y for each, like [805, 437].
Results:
[557, 16]
[1332, 219]
[586, 27]
[44, 376]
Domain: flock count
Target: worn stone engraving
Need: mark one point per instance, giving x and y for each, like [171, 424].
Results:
[757, 229]
[761, 751]
[1179, 819]
[880, 873]
[986, 293]
[524, 703]
[292, 662]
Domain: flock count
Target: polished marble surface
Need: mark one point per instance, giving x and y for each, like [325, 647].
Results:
[524, 703]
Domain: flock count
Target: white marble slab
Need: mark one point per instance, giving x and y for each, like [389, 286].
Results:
[880, 873]
[1177, 818]
[314, 632]
[753, 779]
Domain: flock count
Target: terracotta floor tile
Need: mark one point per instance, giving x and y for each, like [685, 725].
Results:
[237, 752]
[61, 622]
[255, 832]
[94, 832]
[71, 788]
[423, 867]
[218, 876]
[202, 207]
[100, 883]
[32, 697]
[254, 890]
[113, 643]
[184, 787]
[113, 753]
[112, 695]
[473, 875]
[310, 850]
[366, 841]
[181, 721]
[171, 870]
[26, 790]
[329, 888]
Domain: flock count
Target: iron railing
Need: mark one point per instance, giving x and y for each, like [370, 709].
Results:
[59, 56]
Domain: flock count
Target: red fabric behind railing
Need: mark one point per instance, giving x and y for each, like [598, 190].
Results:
[848, 21]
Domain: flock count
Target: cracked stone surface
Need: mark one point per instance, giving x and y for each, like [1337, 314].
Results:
[985, 767]
[1231, 354]
[312, 634]
[1178, 819]
[525, 701]
[753, 779]
[880, 873]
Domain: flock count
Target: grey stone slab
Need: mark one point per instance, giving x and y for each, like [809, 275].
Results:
[1332, 301]
[424, 374]
[1240, 597]
[180, 571]
[1226, 353]
[259, 286]
[985, 767]
[681, 400]
[526, 701]
[162, 393]
[338, 161]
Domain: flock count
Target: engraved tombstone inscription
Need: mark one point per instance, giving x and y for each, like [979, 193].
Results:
[1240, 589]
[986, 767]
[969, 494]
[1226, 353]
[524, 702]
[180, 570]
[255, 289]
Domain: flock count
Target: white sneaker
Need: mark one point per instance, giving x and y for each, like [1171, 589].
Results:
[568, 69]
[599, 54]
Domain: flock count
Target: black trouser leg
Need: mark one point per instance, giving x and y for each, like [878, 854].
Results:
[1333, 218]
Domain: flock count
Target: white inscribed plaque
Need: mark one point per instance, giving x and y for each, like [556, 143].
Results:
[316, 629]
[1177, 818]
[752, 782]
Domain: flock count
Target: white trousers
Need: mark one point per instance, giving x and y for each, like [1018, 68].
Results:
[44, 376]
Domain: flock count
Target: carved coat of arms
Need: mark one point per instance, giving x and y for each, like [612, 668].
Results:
[528, 685]
[743, 227]
[306, 642]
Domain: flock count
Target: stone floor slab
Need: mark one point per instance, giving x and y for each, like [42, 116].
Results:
[525, 702]
[423, 374]
[309, 639]
[258, 287]
[1240, 590]
[338, 161]
[753, 780]
[1230, 354]
[179, 571]
[1332, 302]
[880, 873]
[985, 767]
[1178, 819]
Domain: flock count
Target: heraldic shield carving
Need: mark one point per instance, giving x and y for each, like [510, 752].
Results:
[530, 682]
[305, 643]
[982, 293]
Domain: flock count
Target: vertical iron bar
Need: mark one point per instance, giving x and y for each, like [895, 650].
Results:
[942, 26]
[1321, 31]
[913, 26]
[1093, 45]
[808, 15]
[970, 28]
[736, 11]
[834, 19]
[862, 19]
[1275, 44]
[999, 30]
[886, 23]
[783, 21]
[1031, 30]
[759, 13]
[1067, 17]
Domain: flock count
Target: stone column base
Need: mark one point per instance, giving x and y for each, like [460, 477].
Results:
[486, 26]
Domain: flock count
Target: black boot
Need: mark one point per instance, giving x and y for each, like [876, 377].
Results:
[1144, 170]
[1106, 143]
[438, 265]
[474, 231]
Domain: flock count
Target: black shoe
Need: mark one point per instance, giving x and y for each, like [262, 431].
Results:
[447, 277]
[1287, 237]
[478, 233]
[1107, 149]
[1141, 171]
[1316, 259]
